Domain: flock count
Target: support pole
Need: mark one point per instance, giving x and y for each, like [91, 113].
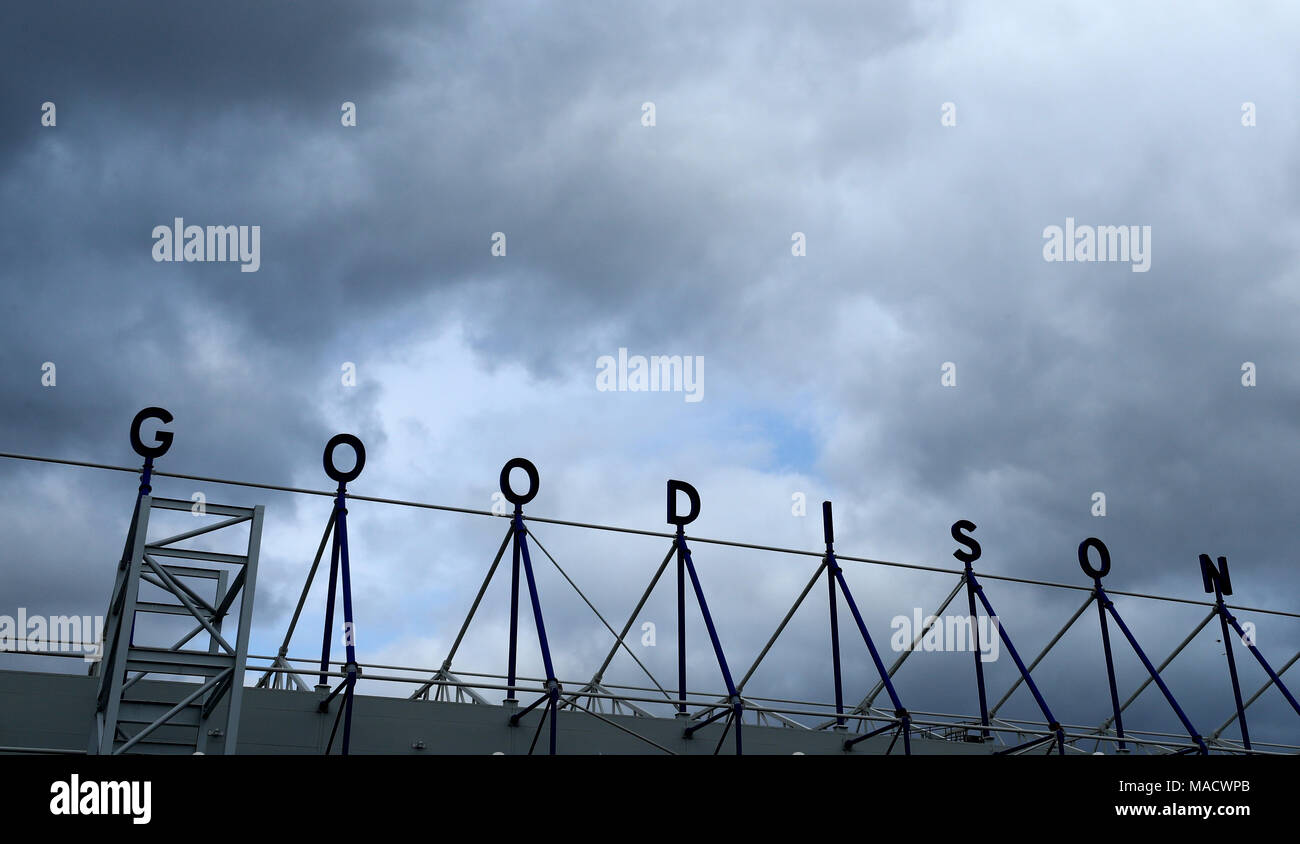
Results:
[520, 555]
[111, 667]
[681, 627]
[1052, 723]
[552, 685]
[687, 566]
[1108, 606]
[514, 606]
[832, 570]
[902, 718]
[1118, 717]
[961, 532]
[1217, 580]
[340, 564]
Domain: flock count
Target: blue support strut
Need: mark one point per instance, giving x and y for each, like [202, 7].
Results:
[1268, 669]
[828, 530]
[681, 629]
[148, 452]
[348, 625]
[977, 652]
[1223, 614]
[900, 712]
[519, 555]
[1052, 723]
[1217, 578]
[514, 611]
[340, 562]
[737, 706]
[552, 685]
[1121, 747]
[834, 575]
[1155, 675]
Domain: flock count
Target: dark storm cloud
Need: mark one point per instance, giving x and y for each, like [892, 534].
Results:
[195, 60]
[157, 108]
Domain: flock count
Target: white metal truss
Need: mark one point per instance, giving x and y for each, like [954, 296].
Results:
[126, 718]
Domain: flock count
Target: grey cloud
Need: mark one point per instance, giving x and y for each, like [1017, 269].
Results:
[924, 247]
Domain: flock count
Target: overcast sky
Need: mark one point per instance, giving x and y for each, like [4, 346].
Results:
[921, 150]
